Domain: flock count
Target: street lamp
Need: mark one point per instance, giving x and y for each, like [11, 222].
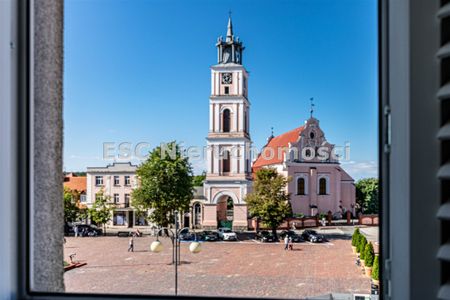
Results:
[157, 246]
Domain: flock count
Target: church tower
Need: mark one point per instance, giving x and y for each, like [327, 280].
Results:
[228, 177]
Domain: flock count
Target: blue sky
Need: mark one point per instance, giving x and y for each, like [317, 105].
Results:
[138, 71]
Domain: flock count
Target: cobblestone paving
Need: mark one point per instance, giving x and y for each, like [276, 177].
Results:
[222, 268]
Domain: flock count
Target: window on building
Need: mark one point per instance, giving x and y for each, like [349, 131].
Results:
[227, 90]
[116, 198]
[83, 198]
[127, 200]
[308, 153]
[127, 180]
[226, 120]
[301, 186]
[226, 162]
[120, 218]
[98, 180]
[141, 219]
[116, 180]
[322, 186]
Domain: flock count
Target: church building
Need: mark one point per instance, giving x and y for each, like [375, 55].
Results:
[319, 184]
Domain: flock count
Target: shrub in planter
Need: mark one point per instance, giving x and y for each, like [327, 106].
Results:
[376, 269]
[362, 246]
[358, 240]
[355, 237]
[369, 255]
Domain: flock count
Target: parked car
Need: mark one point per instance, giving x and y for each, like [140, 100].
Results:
[266, 236]
[312, 236]
[88, 230]
[295, 238]
[210, 236]
[227, 234]
[185, 235]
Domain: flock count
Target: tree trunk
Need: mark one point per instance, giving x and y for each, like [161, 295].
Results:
[274, 232]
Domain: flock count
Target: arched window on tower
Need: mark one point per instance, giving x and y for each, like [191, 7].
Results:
[226, 120]
[301, 186]
[322, 186]
[245, 121]
[226, 162]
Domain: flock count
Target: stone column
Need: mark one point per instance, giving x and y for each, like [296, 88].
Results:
[240, 217]
[48, 214]
[209, 216]
[313, 187]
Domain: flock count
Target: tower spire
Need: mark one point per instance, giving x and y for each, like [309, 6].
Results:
[230, 28]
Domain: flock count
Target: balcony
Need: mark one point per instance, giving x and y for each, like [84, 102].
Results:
[123, 205]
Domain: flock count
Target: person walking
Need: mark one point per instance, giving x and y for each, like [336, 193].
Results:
[286, 242]
[291, 244]
[131, 245]
[75, 230]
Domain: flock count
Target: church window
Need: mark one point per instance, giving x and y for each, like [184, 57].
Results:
[226, 120]
[322, 186]
[227, 90]
[226, 162]
[311, 134]
[301, 186]
[308, 153]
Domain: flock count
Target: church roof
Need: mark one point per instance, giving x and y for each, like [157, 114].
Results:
[276, 144]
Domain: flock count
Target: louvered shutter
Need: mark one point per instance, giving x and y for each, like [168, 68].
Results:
[444, 136]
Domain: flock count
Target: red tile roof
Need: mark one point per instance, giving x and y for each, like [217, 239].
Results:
[276, 144]
[75, 183]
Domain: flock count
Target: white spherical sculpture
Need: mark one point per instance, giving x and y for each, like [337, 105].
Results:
[195, 247]
[156, 246]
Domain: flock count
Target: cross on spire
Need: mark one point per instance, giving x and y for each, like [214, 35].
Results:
[312, 106]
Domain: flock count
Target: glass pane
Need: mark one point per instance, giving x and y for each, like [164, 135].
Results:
[275, 218]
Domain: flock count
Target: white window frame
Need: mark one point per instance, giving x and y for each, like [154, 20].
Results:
[116, 183]
[99, 178]
[306, 178]
[327, 184]
[127, 180]
[116, 198]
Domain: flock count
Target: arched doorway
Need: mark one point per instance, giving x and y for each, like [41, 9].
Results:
[225, 212]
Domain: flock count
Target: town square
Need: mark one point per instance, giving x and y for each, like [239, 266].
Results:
[246, 268]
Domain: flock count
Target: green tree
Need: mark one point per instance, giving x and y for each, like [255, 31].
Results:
[165, 184]
[269, 201]
[71, 210]
[376, 269]
[102, 210]
[367, 195]
[198, 179]
[368, 255]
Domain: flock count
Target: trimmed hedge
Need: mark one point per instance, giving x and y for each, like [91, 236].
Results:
[369, 255]
[376, 269]
[361, 246]
[355, 237]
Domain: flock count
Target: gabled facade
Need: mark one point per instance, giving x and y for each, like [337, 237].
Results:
[319, 184]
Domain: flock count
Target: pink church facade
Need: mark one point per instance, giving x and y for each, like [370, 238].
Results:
[318, 182]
